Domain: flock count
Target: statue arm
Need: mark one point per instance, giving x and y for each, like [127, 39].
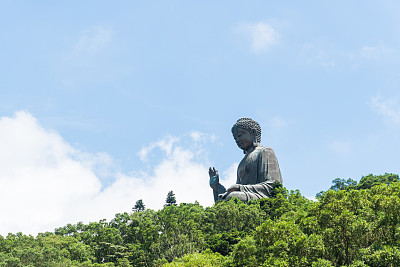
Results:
[269, 169]
[214, 183]
[221, 190]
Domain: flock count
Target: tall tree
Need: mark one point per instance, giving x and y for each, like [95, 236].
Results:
[139, 206]
[171, 200]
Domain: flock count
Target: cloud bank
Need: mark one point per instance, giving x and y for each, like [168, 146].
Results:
[389, 108]
[46, 183]
[262, 36]
[93, 40]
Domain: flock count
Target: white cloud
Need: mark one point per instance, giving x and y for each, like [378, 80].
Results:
[373, 52]
[88, 46]
[47, 183]
[90, 57]
[164, 144]
[229, 176]
[314, 54]
[261, 34]
[179, 172]
[329, 56]
[40, 176]
[199, 137]
[93, 40]
[389, 108]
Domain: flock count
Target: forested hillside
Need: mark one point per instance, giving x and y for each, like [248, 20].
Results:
[351, 224]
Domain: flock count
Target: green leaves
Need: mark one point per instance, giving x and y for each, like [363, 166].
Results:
[171, 199]
[223, 242]
[204, 259]
[139, 206]
[284, 240]
[45, 250]
[350, 225]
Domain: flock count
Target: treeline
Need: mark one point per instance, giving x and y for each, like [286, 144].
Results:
[351, 224]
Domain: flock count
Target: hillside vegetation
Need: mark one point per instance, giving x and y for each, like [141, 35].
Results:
[351, 224]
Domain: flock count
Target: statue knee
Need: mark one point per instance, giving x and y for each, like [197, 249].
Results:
[240, 195]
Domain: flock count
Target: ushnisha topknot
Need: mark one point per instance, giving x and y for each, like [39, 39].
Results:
[249, 125]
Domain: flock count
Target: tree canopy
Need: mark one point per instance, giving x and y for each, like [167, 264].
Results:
[171, 199]
[351, 224]
[139, 206]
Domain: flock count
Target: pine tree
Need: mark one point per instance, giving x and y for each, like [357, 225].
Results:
[139, 206]
[171, 200]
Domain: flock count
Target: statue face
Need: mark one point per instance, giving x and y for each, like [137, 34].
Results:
[243, 138]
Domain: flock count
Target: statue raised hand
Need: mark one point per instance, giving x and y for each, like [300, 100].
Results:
[214, 178]
[217, 188]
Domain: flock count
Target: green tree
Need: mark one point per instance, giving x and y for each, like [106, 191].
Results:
[371, 180]
[344, 222]
[341, 184]
[283, 242]
[244, 253]
[386, 256]
[350, 225]
[180, 231]
[171, 200]
[366, 182]
[223, 242]
[139, 206]
[204, 259]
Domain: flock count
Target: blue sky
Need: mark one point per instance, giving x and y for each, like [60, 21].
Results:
[102, 103]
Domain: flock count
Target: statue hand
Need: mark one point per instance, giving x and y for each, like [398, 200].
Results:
[232, 188]
[214, 178]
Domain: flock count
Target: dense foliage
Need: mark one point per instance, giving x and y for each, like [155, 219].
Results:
[352, 224]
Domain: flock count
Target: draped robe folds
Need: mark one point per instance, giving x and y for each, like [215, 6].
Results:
[257, 172]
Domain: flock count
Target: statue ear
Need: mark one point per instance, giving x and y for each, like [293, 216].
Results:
[255, 143]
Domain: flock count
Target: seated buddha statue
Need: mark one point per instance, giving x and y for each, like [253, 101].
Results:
[257, 171]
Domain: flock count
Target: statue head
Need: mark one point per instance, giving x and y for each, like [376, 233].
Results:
[251, 126]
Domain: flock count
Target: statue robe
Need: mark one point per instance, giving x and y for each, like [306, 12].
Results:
[257, 172]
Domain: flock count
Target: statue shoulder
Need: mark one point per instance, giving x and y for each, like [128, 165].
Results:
[266, 152]
[265, 149]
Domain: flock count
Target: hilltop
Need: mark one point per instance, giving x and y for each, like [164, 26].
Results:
[350, 224]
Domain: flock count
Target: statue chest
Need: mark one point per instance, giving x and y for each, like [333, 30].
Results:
[247, 172]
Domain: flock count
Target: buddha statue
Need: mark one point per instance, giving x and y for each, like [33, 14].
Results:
[257, 171]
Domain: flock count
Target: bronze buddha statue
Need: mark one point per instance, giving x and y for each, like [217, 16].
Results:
[257, 171]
